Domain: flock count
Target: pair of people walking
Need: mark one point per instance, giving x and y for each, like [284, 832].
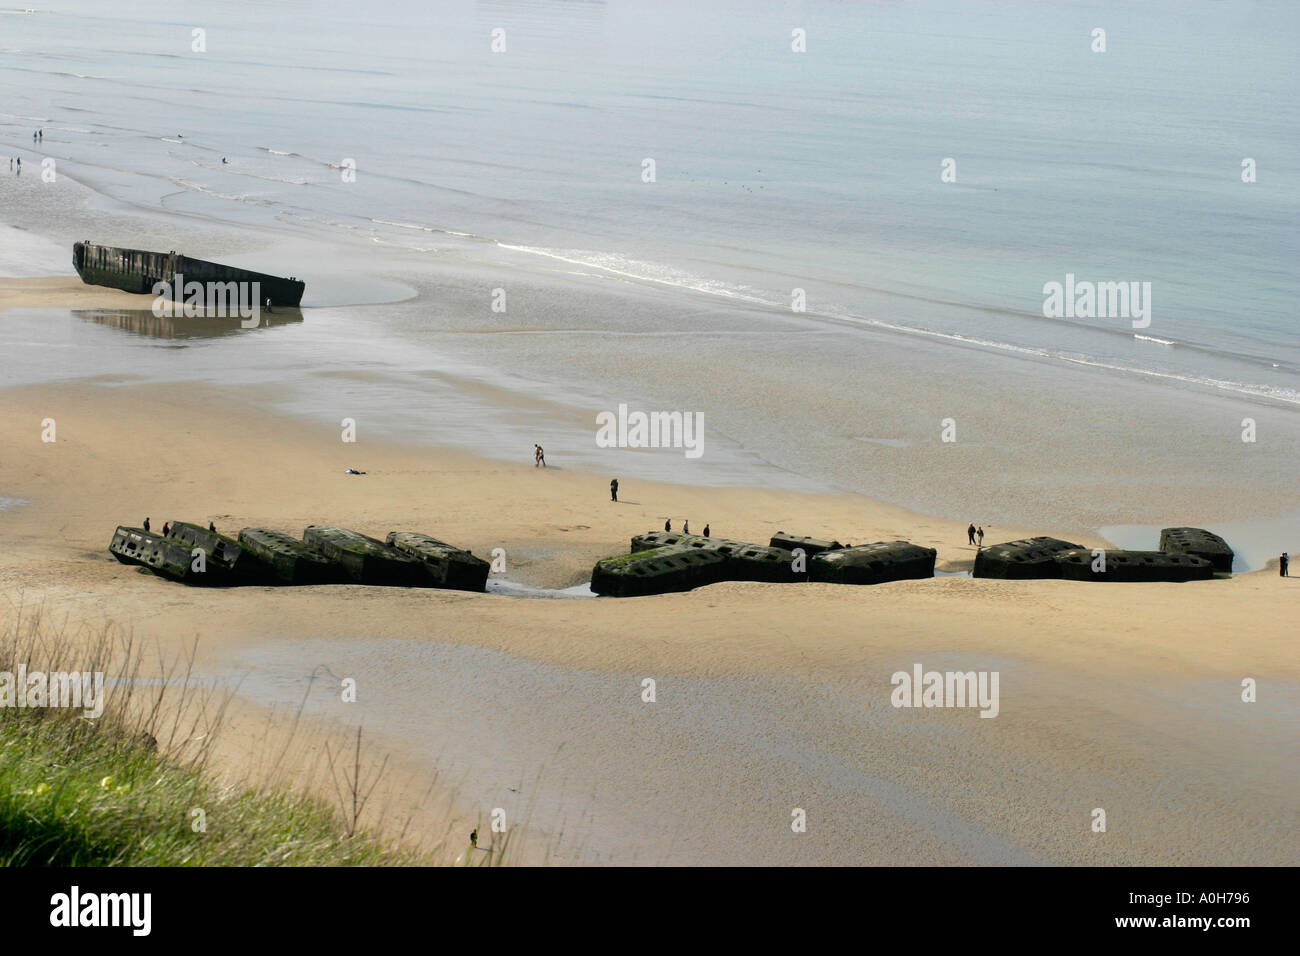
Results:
[975, 535]
[539, 456]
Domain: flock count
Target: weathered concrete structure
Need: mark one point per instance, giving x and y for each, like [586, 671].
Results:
[745, 562]
[1134, 566]
[134, 270]
[658, 571]
[873, 563]
[447, 566]
[288, 561]
[366, 560]
[160, 555]
[810, 546]
[1021, 560]
[222, 555]
[1199, 543]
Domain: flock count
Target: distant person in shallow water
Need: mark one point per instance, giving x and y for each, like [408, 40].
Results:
[1284, 565]
[980, 534]
[146, 524]
[668, 525]
[613, 490]
[970, 533]
[706, 531]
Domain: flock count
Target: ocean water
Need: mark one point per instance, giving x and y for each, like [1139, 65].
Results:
[774, 171]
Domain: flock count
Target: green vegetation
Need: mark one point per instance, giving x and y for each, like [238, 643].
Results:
[132, 787]
[622, 559]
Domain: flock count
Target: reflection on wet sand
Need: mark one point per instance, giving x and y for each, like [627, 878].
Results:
[144, 322]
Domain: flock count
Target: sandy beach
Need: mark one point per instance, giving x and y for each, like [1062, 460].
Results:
[769, 697]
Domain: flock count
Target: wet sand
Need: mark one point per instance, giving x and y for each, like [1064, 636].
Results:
[769, 697]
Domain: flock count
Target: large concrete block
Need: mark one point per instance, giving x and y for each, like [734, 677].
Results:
[365, 559]
[745, 561]
[1199, 543]
[221, 552]
[1026, 558]
[659, 571]
[288, 560]
[810, 546]
[447, 566]
[161, 555]
[1134, 566]
[873, 563]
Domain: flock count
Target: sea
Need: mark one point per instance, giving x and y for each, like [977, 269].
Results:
[828, 228]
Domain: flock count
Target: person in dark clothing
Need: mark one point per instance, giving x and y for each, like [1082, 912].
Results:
[668, 525]
[166, 529]
[686, 526]
[473, 837]
[706, 531]
[1284, 565]
[970, 533]
[979, 533]
[613, 490]
[212, 527]
[146, 524]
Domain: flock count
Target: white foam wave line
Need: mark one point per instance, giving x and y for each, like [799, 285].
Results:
[1289, 396]
[404, 225]
[1152, 338]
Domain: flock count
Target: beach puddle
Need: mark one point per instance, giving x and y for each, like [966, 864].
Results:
[517, 589]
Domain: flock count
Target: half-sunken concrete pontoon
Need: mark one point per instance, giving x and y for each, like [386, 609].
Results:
[744, 561]
[138, 271]
[447, 566]
[810, 546]
[222, 555]
[659, 571]
[366, 560]
[160, 555]
[873, 563]
[1199, 543]
[1133, 566]
[1021, 560]
[288, 561]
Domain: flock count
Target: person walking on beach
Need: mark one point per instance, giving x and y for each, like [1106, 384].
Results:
[979, 533]
[1284, 565]
[212, 527]
[539, 456]
[686, 526]
[706, 531]
[668, 525]
[146, 524]
[613, 490]
[166, 529]
[970, 533]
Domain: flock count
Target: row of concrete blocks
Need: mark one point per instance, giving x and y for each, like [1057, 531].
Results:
[662, 562]
[192, 554]
[1186, 554]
